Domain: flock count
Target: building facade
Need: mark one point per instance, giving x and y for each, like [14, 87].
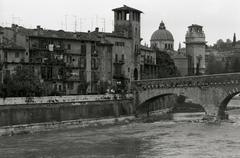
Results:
[77, 62]
[162, 39]
[90, 62]
[195, 50]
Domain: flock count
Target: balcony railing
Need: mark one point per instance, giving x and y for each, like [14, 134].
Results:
[120, 62]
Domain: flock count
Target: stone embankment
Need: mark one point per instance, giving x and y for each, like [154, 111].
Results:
[70, 124]
[29, 114]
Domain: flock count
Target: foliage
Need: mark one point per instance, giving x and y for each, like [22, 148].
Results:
[23, 83]
[214, 66]
[235, 65]
[167, 67]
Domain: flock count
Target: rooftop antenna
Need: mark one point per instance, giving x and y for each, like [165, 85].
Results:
[75, 23]
[91, 24]
[14, 18]
[104, 24]
[61, 25]
[96, 21]
[80, 26]
[20, 21]
[66, 16]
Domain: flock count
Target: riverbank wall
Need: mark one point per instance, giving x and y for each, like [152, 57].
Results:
[30, 110]
[69, 124]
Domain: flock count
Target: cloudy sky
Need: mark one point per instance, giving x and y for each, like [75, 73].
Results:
[220, 18]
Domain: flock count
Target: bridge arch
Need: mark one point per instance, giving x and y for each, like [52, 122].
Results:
[213, 92]
[168, 101]
[226, 99]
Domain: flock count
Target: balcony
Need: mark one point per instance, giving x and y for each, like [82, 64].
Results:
[119, 62]
[49, 47]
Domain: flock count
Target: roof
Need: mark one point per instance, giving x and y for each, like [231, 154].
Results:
[126, 8]
[195, 25]
[65, 35]
[162, 34]
[177, 55]
[146, 48]
[60, 34]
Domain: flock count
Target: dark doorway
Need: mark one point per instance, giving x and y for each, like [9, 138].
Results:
[135, 74]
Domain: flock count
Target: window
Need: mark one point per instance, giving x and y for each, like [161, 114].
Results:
[127, 16]
[69, 46]
[82, 75]
[166, 46]
[26, 53]
[60, 87]
[122, 57]
[82, 62]
[136, 48]
[109, 49]
[83, 49]
[43, 72]
[94, 63]
[55, 87]
[93, 49]
[5, 56]
[16, 54]
[116, 58]
[122, 44]
[7, 73]
[70, 85]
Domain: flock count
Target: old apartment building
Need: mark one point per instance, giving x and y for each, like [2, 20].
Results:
[85, 62]
[76, 62]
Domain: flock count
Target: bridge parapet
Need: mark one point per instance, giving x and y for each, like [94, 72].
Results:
[203, 81]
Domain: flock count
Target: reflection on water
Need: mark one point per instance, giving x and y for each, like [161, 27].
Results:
[171, 139]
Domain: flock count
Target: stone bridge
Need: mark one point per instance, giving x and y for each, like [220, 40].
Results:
[212, 92]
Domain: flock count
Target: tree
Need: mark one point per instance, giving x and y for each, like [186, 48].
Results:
[214, 66]
[236, 65]
[23, 83]
[166, 65]
[234, 40]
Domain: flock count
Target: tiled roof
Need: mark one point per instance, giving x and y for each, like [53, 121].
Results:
[126, 8]
[61, 34]
[65, 35]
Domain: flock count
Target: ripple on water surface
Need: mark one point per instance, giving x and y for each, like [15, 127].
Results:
[160, 139]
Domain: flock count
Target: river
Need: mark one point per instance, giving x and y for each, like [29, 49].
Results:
[179, 138]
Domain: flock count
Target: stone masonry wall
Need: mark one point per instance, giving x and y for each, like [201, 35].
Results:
[17, 111]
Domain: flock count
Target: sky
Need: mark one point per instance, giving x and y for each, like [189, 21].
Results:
[219, 18]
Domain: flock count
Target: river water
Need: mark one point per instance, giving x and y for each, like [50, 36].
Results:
[179, 138]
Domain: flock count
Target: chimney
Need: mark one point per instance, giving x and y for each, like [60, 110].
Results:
[97, 29]
[14, 26]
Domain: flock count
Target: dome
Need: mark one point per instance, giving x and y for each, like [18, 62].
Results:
[162, 34]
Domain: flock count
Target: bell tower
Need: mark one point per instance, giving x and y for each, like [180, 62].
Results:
[127, 24]
[127, 21]
[195, 50]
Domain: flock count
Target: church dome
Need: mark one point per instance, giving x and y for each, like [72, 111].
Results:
[162, 34]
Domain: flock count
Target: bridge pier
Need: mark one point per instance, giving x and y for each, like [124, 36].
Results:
[214, 112]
